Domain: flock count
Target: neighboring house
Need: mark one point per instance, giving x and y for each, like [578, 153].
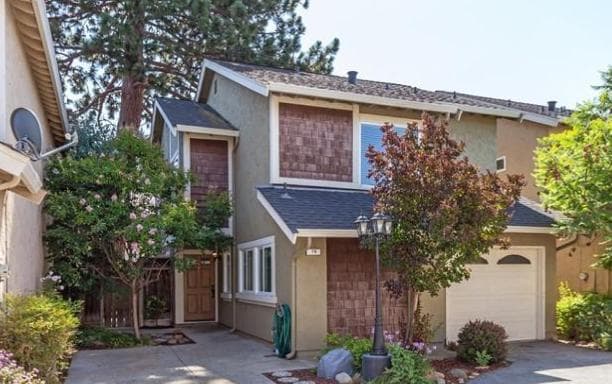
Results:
[289, 147]
[29, 80]
[516, 143]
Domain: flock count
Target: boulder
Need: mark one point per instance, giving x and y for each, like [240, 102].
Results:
[334, 362]
[459, 373]
[344, 378]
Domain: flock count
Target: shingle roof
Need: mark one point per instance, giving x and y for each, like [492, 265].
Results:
[188, 112]
[269, 75]
[519, 105]
[315, 208]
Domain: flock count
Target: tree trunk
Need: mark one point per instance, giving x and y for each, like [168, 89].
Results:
[134, 78]
[132, 103]
[413, 302]
[135, 325]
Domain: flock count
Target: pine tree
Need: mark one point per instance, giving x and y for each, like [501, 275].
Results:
[116, 55]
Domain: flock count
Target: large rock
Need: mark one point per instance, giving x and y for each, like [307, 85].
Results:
[459, 373]
[344, 378]
[334, 362]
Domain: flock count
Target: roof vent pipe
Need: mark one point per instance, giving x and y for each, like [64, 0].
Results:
[552, 106]
[352, 77]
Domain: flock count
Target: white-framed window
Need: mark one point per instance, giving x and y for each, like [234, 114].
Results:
[256, 271]
[370, 134]
[500, 164]
[227, 275]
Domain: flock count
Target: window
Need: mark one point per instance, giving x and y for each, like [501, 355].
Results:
[479, 260]
[514, 259]
[256, 271]
[371, 135]
[227, 276]
[500, 164]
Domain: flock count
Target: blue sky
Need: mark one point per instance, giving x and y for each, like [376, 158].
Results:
[533, 51]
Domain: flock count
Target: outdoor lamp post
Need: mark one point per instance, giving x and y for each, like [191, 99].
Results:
[376, 228]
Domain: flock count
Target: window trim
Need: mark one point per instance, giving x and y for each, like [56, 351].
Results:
[505, 164]
[378, 120]
[257, 295]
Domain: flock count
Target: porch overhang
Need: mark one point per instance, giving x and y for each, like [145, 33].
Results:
[319, 212]
[17, 174]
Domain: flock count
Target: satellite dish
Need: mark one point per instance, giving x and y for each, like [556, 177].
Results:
[27, 132]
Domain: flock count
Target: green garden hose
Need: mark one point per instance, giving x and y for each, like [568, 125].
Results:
[281, 330]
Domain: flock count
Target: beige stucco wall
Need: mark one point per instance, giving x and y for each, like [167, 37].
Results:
[518, 141]
[579, 257]
[21, 225]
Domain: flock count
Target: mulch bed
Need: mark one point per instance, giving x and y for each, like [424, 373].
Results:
[446, 365]
[172, 338]
[302, 375]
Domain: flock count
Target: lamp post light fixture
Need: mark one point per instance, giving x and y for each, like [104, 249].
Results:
[376, 228]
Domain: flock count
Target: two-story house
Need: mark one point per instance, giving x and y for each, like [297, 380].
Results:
[289, 146]
[29, 87]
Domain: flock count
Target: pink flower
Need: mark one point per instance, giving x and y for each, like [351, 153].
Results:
[150, 241]
[82, 201]
[145, 214]
[114, 197]
[134, 247]
[132, 216]
[139, 227]
[97, 196]
[152, 231]
[88, 208]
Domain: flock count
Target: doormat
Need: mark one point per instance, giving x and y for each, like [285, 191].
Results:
[172, 338]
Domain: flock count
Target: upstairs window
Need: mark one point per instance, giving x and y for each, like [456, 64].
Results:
[371, 135]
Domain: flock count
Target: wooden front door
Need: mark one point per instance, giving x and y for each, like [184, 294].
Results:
[200, 290]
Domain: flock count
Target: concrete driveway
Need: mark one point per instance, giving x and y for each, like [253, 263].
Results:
[548, 362]
[217, 357]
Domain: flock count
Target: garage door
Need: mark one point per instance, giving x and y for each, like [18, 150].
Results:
[506, 286]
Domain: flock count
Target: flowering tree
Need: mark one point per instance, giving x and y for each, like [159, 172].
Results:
[121, 215]
[446, 212]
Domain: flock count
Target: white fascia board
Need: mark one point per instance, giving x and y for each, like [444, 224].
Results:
[47, 42]
[491, 111]
[544, 120]
[525, 229]
[345, 233]
[207, 131]
[276, 217]
[360, 98]
[239, 78]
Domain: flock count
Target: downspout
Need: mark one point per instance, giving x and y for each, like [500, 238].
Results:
[291, 355]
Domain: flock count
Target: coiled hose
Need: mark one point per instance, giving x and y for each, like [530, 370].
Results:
[281, 330]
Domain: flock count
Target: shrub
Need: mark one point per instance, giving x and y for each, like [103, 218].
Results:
[407, 367]
[482, 358]
[13, 373]
[39, 331]
[482, 336]
[583, 317]
[356, 346]
[101, 338]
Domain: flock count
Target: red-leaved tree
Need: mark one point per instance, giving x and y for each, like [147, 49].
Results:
[446, 211]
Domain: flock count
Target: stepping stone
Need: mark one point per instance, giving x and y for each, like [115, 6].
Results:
[305, 382]
[288, 379]
[281, 374]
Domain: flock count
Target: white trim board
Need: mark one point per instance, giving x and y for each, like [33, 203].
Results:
[207, 130]
[276, 217]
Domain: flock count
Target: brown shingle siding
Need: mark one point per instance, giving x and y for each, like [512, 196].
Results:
[209, 166]
[315, 143]
[350, 291]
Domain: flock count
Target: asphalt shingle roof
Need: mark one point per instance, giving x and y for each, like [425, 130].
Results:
[268, 75]
[188, 112]
[315, 208]
[519, 105]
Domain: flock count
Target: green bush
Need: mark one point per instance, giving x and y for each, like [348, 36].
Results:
[102, 338]
[407, 367]
[482, 336]
[356, 346]
[583, 317]
[38, 330]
